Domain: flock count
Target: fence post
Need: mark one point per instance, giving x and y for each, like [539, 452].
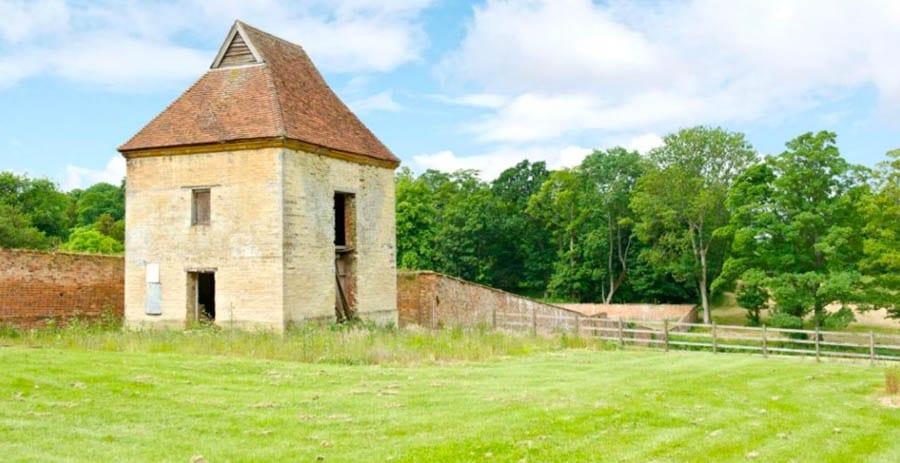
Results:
[533, 320]
[817, 343]
[494, 317]
[666, 332]
[715, 339]
[765, 348]
[872, 347]
[577, 325]
[621, 333]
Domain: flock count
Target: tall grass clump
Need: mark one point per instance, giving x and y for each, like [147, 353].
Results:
[349, 344]
[892, 380]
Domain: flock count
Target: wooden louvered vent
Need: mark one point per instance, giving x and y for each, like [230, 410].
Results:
[238, 53]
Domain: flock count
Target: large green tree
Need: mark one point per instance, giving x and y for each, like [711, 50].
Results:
[448, 223]
[524, 253]
[100, 198]
[17, 231]
[796, 220]
[560, 206]
[416, 222]
[35, 212]
[680, 203]
[610, 179]
[881, 246]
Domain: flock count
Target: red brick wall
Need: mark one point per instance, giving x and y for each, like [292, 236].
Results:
[432, 300]
[35, 286]
[680, 312]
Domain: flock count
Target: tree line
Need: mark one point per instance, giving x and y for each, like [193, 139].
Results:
[36, 214]
[703, 214]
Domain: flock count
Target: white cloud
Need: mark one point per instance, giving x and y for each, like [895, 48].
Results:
[82, 177]
[24, 20]
[643, 143]
[475, 100]
[558, 45]
[130, 45]
[570, 66]
[494, 161]
[491, 164]
[383, 101]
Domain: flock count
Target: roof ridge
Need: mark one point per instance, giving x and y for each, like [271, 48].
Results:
[279, 110]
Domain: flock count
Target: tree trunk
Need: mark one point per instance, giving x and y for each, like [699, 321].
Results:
[609, 260]
[704, 297]
[704, 300]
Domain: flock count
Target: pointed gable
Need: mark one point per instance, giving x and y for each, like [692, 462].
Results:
[260, 87]
[235, 51]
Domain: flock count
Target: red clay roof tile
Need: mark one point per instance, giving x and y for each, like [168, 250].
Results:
[284, 97]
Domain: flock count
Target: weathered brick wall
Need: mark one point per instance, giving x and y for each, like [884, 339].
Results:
[432, 300]
[35, 286]
[680, 312]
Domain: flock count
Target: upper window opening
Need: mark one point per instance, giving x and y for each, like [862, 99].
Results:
[344, 220]
[200, 207]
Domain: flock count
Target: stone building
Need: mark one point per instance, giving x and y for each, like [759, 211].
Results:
[258, 199]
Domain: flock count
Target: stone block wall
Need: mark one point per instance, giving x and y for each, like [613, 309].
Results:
[242, 244]
[36, 286]
[310, 183]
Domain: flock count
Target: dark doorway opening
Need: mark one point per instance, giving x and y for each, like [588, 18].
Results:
[201, 296]
[340, 219]
[345, 255]
[206, 295]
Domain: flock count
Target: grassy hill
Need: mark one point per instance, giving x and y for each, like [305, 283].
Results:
[160, 397]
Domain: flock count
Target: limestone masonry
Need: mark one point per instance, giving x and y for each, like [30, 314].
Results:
[257, 199]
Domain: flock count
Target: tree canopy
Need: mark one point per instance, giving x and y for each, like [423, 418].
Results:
[36, 214]
[797, 233]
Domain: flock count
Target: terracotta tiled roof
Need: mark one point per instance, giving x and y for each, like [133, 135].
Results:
[284, 96]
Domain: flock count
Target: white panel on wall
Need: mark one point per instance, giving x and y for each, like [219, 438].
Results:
[152, 273]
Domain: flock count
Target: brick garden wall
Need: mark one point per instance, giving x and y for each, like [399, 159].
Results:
[36, 286]
[432, 300]
[680, 312]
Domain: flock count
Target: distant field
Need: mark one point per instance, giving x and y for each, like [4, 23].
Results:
[121, 401]
[726, 311]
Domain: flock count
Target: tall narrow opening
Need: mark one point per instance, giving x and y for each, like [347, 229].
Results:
[201, 296]
[340, 219]
[206, 295]
[345, 255]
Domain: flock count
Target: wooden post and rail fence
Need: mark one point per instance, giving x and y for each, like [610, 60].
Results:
[667, 335]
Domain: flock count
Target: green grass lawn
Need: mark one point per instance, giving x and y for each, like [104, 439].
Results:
[122, 397]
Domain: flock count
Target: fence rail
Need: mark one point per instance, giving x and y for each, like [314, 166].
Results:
[668, 335]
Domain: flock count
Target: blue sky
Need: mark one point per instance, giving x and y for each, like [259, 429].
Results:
[453, 84]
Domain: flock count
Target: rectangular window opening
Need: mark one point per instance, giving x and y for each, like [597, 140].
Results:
[200, 207]
[344, 218]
